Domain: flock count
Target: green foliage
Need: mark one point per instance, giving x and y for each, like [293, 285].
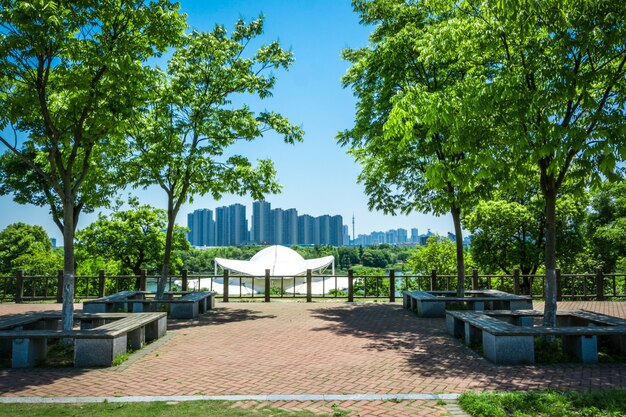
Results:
[439, 253]
[607, 403]
[548, 351]
[549, 80]
[607, 225]
[506, 235]
[74, 75]
[28, 248]
[376, 258]
[418, 146]
[132, 238]
[153, 409]
[509, 234]
[181, 142]
[409, 134]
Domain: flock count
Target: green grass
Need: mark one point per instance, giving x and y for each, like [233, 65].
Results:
[610, 403]
[152, 409]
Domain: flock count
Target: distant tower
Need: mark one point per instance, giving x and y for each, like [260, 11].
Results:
[353, 235]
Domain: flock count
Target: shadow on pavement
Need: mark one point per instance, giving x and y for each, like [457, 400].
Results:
[217, 316]
[429, 352]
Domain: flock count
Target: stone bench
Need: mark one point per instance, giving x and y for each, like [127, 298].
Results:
[117, 302]
[179, 305]
[101, 338]
[506, 343]
[433, 303]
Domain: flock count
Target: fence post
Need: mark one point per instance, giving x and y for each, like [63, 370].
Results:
[516, 281]
[559, 294]
[474, 279]
[19, 286]
[184, 278]
[392, 285]
[142, 280]
[60, 286]
[599, 284]
[433, 280]
[309, 280]
[101, 283]
[350, 285]
[226, 285]
[267, 286]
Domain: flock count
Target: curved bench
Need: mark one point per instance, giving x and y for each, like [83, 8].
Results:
[104, 336]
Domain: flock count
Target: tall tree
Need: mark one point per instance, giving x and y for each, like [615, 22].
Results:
[28, 248]
[417, 148]
[439, 253]
[72, 74]
[509, 234]
[134, 237]
[182, 141]
[553, 83]
[607, 224]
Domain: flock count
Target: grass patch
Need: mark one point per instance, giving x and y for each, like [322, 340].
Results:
[152, 409]
[60, 355]
[610, 403]
[121, 358]
[550, 351]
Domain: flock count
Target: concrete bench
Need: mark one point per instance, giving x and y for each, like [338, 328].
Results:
[178, 305]
[94, 344]
[433, 303]
[117, 302]
[507, 343]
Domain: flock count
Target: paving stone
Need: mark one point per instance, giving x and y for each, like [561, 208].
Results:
[316, 348]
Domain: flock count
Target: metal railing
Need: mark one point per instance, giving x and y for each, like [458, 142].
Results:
[598, 286]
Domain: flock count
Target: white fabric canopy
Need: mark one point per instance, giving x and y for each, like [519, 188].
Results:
[280, 260]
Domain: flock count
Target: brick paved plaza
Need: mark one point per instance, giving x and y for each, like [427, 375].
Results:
[316, 348]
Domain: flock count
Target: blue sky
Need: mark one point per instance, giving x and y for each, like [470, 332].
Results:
[317, 175]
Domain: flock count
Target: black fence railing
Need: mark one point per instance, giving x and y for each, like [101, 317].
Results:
[597, 286]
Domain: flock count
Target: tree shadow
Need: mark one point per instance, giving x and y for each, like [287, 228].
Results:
[429, 352]
[219, 316]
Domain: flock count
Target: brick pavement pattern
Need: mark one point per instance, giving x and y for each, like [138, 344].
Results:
[315, 348]
[355, 408]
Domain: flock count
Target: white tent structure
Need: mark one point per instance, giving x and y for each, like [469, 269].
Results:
[280, 260]
[287, 269]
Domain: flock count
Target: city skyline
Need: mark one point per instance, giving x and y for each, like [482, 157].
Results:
[317, 175]
[231, 226]
[267, 225]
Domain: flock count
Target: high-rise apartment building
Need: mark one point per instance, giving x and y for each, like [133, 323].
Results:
[201, 228]
[336, 231]
[277, 226]
[222, 222]
[290, 227]
[238, 226]
[323, 224]
[260, 232]
[306, 228]
[403, 236]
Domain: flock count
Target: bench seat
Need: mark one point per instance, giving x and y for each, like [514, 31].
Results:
[117, 302]
[94, 344]
[187, 306]
[504, 342]
[433, 303]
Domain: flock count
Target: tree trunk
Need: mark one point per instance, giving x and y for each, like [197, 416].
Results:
[137, 272]
[460, 262]
[549, 192]
[526, 281]
[169, 237]
[67, 312]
